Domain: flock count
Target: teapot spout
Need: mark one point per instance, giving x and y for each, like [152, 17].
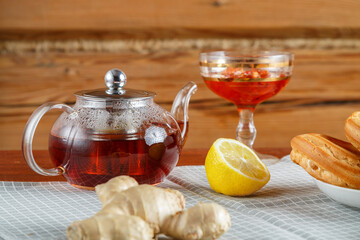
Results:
[180, 107]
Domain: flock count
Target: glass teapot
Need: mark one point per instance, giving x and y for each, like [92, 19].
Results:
[111, 132]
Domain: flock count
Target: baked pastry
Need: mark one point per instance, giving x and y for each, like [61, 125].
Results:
[352, 129]
[327, 159]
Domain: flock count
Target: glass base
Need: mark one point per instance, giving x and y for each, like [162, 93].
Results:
[267, 159]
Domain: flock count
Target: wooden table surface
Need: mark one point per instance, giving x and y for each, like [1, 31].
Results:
[14, 168]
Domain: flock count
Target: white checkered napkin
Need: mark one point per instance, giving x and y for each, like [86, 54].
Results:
[290, 206]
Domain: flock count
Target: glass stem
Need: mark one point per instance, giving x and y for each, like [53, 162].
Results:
[246, 131]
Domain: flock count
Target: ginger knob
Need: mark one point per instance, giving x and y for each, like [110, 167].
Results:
[203, 221]
[106, 190]
[110, 226]
[140, 212]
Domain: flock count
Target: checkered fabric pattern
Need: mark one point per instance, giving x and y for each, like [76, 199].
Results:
[290, 206]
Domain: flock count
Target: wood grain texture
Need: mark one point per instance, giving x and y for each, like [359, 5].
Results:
[322, 93]
[168, 19]
[143, 46]
[318, 74]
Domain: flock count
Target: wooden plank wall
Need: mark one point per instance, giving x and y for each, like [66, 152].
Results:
[51, 49]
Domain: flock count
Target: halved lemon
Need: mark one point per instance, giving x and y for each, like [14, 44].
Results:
[232, 168]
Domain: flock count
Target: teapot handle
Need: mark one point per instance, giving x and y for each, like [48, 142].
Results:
[29, 135]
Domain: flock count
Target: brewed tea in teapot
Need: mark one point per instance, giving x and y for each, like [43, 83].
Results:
[111, 132]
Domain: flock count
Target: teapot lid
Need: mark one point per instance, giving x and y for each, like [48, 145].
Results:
[115, 80]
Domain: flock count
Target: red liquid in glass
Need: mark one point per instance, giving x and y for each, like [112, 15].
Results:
[245, 93]
[94, 160]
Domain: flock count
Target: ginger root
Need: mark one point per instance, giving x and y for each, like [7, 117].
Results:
[153, 204]
[117, 184]
[203, 221]
[132, 211]
[110, 226]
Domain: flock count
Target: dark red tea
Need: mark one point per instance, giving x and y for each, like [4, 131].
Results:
[94, 160]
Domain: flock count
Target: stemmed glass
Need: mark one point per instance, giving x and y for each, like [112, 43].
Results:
[246, 78]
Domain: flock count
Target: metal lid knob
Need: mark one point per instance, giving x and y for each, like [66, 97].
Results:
[115, 80]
